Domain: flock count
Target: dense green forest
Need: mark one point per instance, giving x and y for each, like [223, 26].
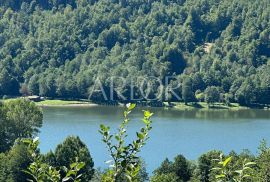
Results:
[59, 48]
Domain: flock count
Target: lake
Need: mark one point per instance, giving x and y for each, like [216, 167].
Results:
[190, 133]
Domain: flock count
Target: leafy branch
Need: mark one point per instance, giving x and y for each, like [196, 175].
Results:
[226, 173]
[42, 172]
[125, 162]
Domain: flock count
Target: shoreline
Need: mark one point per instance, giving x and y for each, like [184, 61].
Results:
[175, 105]
[165, 105]
[68, 105]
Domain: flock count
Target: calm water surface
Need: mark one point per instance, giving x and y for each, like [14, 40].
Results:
[174, 132]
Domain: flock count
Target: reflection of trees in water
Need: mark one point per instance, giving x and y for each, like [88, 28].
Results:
[213, 114]
[105, 111]
[229, 114]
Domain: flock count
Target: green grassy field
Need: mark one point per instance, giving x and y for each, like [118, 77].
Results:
[62, 102]
[204, 106]
[56, 102]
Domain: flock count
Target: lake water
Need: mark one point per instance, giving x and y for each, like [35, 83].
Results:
[190, 133]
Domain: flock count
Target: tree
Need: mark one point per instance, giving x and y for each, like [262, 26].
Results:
[14, 162]
[263, 162]
[8, 84]
[73, 149]
[176, 60]
[246, 94]
[24, 90]
[165, 167]
[204, 166]
[40, 171]
[47, 86]
[33, 85]
[212, 95]
[180, 168]
[170, 177]
[199, 95]
[187, 92]
[21, 118]
[226, 172]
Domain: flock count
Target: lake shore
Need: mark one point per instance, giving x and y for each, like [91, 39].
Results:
[65, 103]
[205, 106]
[166, 105]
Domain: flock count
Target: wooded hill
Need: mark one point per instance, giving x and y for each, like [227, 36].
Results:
[57, 48]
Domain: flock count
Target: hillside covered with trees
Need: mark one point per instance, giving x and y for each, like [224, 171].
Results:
[58, 48]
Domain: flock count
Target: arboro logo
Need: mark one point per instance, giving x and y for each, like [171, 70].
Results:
[135, 89]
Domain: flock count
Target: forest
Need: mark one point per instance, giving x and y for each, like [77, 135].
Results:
[59, 48]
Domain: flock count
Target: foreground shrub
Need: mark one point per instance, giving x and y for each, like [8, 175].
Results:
[125, 163]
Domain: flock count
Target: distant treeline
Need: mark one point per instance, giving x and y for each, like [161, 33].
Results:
[218, 50]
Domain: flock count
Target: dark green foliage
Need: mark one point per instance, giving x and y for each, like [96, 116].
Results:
[205, 164]
[180, 168]
[213, 42]
[263, 162]
[187, 93]
[214, 166]
[212, 95]
[67, 152]
[13, 163]
[38, 170]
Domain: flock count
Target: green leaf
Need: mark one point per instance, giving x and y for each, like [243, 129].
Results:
[220, 176]
[140, 135]
[130, 106]
[80, 165]
[246, 176]
[103, 127]
[73, 165]
[66, 179]
[117, 137]
[239, 171]
[250, 163]
[147, 114]
[227, 161]
[216, 169]
[36, 139]
[128, 177]
[70, 172]
[247, 168]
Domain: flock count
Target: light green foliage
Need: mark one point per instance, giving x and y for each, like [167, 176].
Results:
[125, 164]
[43, 172]
[226, 172]
[20, 118]
[199, 96]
